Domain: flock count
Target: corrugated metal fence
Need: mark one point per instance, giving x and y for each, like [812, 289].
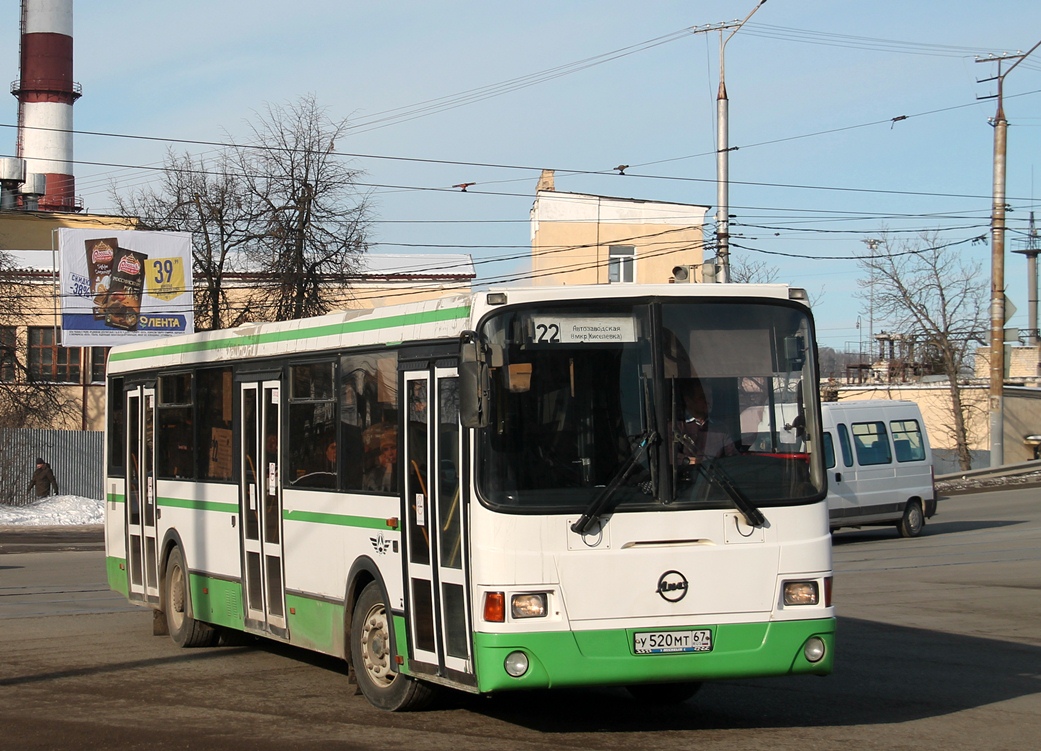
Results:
[75, 456]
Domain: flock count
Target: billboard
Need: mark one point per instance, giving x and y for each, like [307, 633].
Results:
[124, 285]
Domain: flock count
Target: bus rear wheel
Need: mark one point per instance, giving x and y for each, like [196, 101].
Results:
[177, 604]
[663, 693]
[913, 520]
[384, 687]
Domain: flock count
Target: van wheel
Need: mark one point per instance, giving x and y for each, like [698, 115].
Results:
[910, 525]
[382, 685]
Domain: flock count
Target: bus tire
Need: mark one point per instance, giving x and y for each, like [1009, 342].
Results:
[384, 687]
[913, 520]
[663, 693]
[177, 604]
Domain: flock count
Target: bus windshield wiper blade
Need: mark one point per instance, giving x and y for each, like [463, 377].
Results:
[717, 475]
[592, 514]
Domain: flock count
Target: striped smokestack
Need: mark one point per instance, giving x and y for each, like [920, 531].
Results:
[46, 93]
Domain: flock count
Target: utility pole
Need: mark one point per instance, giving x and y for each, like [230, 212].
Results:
[723, 155]
[997, 262]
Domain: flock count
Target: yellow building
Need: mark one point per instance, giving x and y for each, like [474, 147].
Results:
[578, 238]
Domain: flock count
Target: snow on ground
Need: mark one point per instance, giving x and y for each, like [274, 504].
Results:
[55, 510]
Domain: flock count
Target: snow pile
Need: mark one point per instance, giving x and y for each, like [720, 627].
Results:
[55, 510]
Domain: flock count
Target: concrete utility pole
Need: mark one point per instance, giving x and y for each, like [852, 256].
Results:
[723, 156]
[997, 264]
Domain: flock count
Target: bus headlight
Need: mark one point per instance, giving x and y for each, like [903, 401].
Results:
[801, 593]
[531, 605]
[813, 649]
[516, 664]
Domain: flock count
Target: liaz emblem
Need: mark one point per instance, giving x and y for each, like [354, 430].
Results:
[379, 544]
[672, 586]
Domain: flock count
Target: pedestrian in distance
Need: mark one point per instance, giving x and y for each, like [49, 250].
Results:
[43, 480]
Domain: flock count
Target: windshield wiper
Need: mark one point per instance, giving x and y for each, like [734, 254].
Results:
[716, 474]
[596, 508]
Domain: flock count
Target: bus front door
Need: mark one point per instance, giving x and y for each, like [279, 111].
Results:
[140, 494]
[437, 594]
[260, 508]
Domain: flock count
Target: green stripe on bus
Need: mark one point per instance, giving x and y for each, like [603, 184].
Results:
[115, 498]
[329, 329]
[226, 508]
[340, 520]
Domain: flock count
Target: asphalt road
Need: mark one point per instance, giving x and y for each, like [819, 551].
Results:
[939, 647]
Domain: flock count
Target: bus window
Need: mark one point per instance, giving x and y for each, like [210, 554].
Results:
[176, 437]
[369, 422]
[213, 397]
[313, 453]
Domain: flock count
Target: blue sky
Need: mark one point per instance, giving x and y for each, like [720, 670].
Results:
[814, 89]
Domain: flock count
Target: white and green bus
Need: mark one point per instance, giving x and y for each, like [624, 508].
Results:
[488, 492]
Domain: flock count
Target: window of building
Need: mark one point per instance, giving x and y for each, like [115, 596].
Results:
[369, 421]
[621, 264]
[8, 350]
[313, 459]
[48, 360]
[98, 359]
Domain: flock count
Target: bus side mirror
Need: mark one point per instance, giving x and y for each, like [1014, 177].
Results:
[474, 382]
[795, 352]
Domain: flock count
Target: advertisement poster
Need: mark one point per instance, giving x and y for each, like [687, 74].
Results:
[124, 285]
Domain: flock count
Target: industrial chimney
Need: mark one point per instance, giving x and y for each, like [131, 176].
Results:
[46, 93]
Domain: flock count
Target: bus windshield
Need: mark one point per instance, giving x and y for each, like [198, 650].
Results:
[668, 404]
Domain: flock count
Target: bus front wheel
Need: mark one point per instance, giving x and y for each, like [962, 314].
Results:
[177, 603]
[384, 687]
[911, 523]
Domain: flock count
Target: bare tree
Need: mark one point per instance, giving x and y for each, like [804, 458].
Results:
[744, 270]
[209, 198]
[313, 217]
[923, 288]
[283, 208]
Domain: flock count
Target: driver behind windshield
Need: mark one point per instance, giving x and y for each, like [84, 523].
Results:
[695, 435]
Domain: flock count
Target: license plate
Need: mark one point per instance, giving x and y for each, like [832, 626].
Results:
[662, 642]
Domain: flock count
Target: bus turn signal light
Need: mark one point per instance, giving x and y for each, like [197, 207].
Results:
[495, 607]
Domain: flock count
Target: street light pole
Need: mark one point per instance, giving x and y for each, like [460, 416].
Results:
[997, 270]
[723, 158]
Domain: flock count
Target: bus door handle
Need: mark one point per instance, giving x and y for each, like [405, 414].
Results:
[838, 477]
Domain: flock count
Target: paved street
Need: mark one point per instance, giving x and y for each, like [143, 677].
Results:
[939, 648]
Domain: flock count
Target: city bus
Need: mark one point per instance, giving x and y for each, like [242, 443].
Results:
[490, 492]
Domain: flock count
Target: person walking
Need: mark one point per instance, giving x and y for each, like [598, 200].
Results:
[43, 480]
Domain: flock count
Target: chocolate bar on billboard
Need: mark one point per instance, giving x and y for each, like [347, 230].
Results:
[101, 253]
[123, 307]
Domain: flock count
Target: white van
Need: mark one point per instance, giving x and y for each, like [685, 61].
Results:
[880, 467]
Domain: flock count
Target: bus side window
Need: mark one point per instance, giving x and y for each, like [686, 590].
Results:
[847, 452]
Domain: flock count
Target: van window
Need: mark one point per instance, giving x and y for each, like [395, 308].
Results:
[907, 441]
[829, 451]
[847, 452]
[872, 443]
